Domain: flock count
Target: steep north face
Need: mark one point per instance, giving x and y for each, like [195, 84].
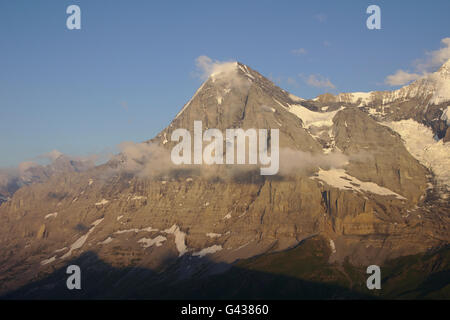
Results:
[349, 174]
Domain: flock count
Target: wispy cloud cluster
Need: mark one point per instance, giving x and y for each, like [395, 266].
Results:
[299, 51]
[434, 59]
[313, 80]
[150, 160]
[223, 71]
[7, 177]
[300, 162]
[321, 17]
[292, 82]
[316, 80]
[207, 67]
[145, 159]
[422, 67]
[401, 77]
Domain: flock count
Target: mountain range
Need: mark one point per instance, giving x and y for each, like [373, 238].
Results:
[363, 180]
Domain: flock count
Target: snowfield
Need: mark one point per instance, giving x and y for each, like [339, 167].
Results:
[340, 179]
[312, 118]
[420, 142]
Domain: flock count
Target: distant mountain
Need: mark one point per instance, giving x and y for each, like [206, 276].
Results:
[425, 100]
[353, 172]
[29, 173]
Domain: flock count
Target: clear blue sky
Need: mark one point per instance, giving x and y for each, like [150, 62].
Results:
[66, 89]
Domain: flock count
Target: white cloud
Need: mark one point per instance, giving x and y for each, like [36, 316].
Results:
[401, 77]
[292, 82]
[319, 81]
[145, 159]
[124, 105]
[299, 51]
[300, 162]
[208, 67]
[226, 72]
[432, 61]
[435, 58]
[321, 17]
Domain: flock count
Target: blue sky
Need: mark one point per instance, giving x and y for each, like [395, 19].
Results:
[131, 67]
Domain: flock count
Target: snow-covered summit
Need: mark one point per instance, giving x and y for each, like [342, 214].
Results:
[433, 88]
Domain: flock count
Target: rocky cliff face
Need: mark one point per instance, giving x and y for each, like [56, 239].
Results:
[344, 175]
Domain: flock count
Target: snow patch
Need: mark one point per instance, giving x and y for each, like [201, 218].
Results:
[60, 250]
[136, 230]
[51, 215]
[279, 103]
[138, 198]
[332, 245]
[246, 71]
[268, 109]
[213, 235]
[106, 241]
[209, 250]
[340, 179]
[104, 201]
[295, 98]
[47, 261]
[127, 231]
[446, 115]
[242, 246]
[148, 242]
[312, 118]
[81, 241]
[97, 222]
[179, 239]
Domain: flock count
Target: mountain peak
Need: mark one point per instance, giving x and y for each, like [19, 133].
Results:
[229, 70]
[223, 69]
[445, 69]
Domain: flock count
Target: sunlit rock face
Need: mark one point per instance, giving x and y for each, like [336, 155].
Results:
[349, 172]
